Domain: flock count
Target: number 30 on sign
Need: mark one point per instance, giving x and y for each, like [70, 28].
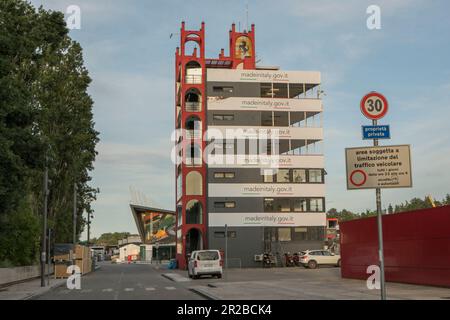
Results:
[374, 106]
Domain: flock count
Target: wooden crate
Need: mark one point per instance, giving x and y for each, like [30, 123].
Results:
[61, 270]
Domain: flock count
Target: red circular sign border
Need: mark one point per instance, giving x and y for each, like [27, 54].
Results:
[358, 184]
[378, 95]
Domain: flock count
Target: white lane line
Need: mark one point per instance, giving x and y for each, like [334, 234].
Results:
[129, 289]
[149, 289]
[170, 288]
[107, 290]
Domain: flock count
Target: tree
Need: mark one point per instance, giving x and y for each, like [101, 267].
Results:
[111, 239]
[45, 113]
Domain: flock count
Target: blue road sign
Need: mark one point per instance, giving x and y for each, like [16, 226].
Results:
[376, 132]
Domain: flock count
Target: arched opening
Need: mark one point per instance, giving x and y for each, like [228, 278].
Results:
[193, 128]
[193, 72]
[194, 212]
[192, 46]
[194, 184]
[194, 240]
[193, 100]
[193, 155]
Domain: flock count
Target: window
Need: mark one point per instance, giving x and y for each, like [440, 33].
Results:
[283, 205]
[224, 175]
[316, 176]
[281, 119]
[194, 212]
[219, 175]
[316, 205]
[266, 90]
[315, 253]
[326, 253]
[299, 175]
[284, 234]
[268, 205]
[194, 184]
[280, 90]
[229, 175]
[268, 175]
[221, 234]
[300, 205]
[223, 117]
[225, 204]
[266, 119]
[283, 175]
[223, 89]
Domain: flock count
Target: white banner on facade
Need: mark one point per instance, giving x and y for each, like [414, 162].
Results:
[247, 132]
[267, 161]
[264, 104]
[266, 190]
[282, 219]
[239, 75]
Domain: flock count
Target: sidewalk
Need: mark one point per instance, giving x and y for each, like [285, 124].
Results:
[29, 289]
[299, 284]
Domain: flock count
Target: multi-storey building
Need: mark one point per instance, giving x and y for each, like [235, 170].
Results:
[250, 150]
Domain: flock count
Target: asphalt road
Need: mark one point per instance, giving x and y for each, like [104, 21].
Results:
[124, 282]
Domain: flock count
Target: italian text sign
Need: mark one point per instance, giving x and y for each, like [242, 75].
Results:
[378, 167]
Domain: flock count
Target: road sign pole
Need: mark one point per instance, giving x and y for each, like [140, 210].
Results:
[380, 233]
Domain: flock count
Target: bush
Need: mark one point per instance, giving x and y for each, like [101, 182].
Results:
[19, 238]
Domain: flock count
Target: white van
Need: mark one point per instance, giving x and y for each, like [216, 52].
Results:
[205, 262]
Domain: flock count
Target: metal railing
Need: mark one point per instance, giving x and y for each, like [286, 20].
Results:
[193, 106]
[193, 79]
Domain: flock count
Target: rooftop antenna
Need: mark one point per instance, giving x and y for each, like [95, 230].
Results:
[246, 15]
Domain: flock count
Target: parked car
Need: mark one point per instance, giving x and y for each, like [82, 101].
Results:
[313, 258]
[205, 262]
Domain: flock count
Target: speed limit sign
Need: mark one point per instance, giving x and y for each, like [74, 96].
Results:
[374, 106]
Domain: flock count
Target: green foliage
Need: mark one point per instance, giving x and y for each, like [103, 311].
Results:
[45, 119]
[19, 238]
[110, 239]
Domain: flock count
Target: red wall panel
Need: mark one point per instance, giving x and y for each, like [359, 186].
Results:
[416, 247]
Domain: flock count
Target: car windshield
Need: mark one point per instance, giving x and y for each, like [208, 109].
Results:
[207, 255]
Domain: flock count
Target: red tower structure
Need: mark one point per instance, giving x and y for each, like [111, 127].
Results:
[190, 121]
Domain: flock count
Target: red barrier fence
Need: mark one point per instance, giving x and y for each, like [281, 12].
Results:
[416, 247]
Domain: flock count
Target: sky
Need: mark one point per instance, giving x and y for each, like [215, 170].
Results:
[130, 56]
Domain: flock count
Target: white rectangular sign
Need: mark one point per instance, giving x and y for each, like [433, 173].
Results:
[378, 167]
[266, 190]
[246, 132]
[268, 161]
[264, 104]
[281, 219]
[240, 75]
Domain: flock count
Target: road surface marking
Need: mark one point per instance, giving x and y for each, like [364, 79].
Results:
[107, 290]
[149, 289]
[170, 288]
[116, 296]
[129, 289]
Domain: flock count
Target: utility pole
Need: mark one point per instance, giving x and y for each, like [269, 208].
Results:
[44, 227]
[49, 231]
[74, 221]
[226, 247]
[89, 228]
[380, 231]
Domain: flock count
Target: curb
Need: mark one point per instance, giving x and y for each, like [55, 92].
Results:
[47, 289]
[204, 294]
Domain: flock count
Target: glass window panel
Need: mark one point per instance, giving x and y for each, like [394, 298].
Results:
[300, 205]
[284, 234]
[268, 205]
[299, 175]
[315, 176]
[283, 175]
